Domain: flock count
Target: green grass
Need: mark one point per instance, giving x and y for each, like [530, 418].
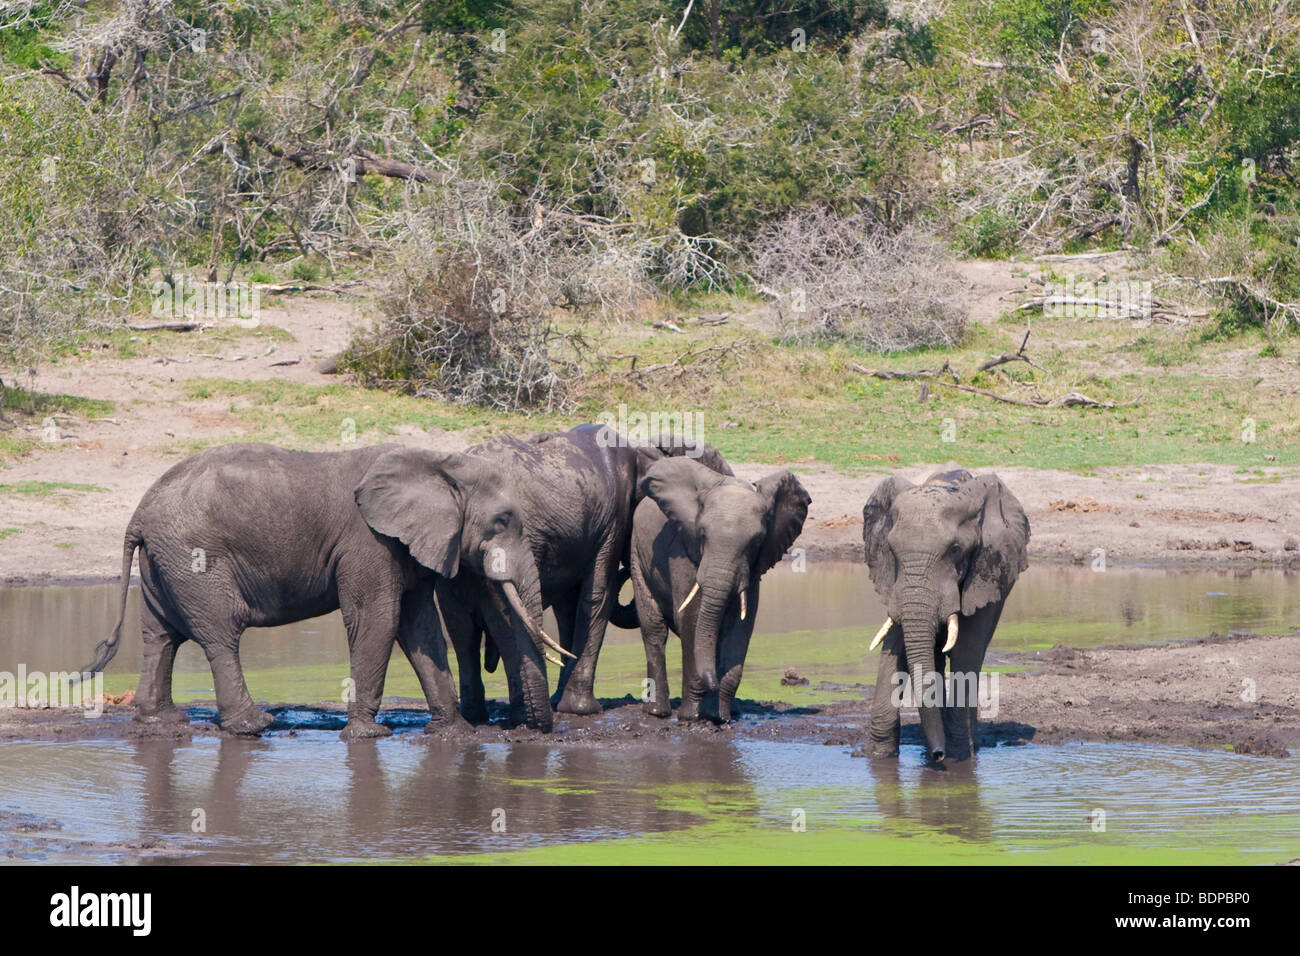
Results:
[28, 402]
[30, 408]
[9, 532]
[1182, 401]
[43, 489]
[123, 343]
[321, 416]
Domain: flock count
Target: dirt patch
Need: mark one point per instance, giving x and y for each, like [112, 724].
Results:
[1186, 515]
[1240, 692]
[1173, 515]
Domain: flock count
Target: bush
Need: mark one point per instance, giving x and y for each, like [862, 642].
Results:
[846, 278]
[468, 314]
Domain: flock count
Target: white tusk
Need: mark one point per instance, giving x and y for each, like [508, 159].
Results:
[694, 591]
[742, 605]
[554, 660]
[880, 634]
[516, 605]
[952, 633]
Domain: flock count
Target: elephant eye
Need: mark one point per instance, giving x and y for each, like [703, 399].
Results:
[502, 521]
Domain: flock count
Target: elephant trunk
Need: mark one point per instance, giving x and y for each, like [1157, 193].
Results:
[526, 602]
[713, 606]
[919, 613]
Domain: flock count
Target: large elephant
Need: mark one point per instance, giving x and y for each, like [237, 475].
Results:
[701, 541]
[252, 535]
[576, 494]
[943, 556]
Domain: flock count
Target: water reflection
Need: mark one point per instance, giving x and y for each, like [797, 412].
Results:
[309, 797]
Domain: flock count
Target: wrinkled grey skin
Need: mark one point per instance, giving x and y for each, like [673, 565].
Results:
[697, 525]
[576, 492]
[953, 544]
[252, 535]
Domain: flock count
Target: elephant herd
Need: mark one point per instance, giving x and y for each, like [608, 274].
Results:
[425, 549]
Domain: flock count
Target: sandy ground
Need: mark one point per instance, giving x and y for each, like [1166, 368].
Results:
[1241, 692]
[1176, 515]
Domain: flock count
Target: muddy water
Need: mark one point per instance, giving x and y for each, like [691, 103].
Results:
[56, 628]
[312, 798]
[302, 795]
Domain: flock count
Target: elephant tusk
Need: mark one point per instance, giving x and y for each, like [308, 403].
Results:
[539, 635]
[554, 660]
[742, 605]
[952, 633]
[880, 634]
[694, 591]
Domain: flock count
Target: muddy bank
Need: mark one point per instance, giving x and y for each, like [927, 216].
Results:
[1168, 515]
[1239, 691]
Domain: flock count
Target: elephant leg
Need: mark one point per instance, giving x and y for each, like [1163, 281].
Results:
[884, 727]
[420, 633]
[654, 635]
[731, 662]
[689, 708]
[153, 694]
[594, 604]
[565, 608]
[656, 696]
[966, 660]
[237, 712]
[466, 636]
[372, 625]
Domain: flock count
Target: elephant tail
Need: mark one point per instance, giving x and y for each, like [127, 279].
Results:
[107, 649]
[624, 615]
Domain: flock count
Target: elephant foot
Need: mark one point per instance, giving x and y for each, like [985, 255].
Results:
[578, 702]
[657, 708]
[455, 726]
[249, 724]
[688, 712]
[544, 725]
[474, 713]
[359, 729]
[882, 749]
[170, 714]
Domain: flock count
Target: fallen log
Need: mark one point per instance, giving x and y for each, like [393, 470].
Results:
[1068, 400]
[167, 326]
[886, 373]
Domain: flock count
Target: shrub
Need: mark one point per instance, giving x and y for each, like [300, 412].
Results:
[468, 313]
[847, 278]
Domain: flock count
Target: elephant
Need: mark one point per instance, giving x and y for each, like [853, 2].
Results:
[577, 492]
[943, 556]
[702, 533]
[252, 535]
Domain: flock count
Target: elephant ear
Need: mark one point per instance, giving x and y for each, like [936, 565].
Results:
[1003, 549]
[646, 456]
[676, 445]
[678, 486]
[877, 522]
[409, 495]
[787, 505]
